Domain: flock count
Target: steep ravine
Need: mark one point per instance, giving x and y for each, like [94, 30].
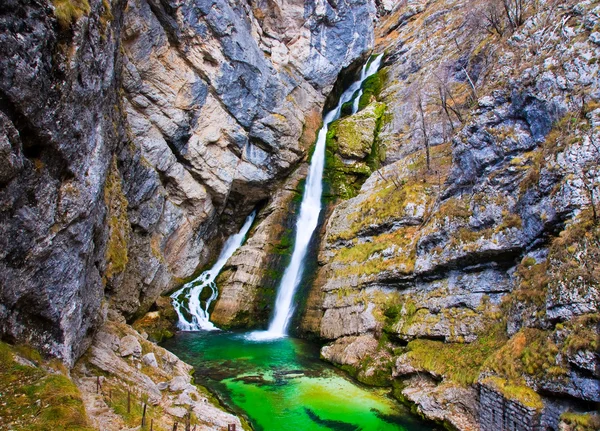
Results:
[458, 261]
[136, 136]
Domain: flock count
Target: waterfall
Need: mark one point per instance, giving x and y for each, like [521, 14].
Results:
[366, 71]
[190, 292]
[308, 219]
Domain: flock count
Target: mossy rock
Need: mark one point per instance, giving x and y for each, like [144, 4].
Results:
[352, 151]
[372, 87]
[352, 137]
[69, 11]
[119, 229]
[35, 398]
[520, 393]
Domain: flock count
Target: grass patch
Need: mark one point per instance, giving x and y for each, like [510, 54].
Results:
[33, 399]
[69, 11]
[530, 352]
[459, 362]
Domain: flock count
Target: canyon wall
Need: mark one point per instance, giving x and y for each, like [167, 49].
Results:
[136, 135]
[466, 260]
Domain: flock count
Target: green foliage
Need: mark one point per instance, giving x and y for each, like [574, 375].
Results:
[285, 244]
[69, 11]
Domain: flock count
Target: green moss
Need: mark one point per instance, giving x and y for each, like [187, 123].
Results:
[582, 334]
[69, 11]
[589, 421]
[459, 362]
[372, 87]
[118, 223]
[347, 107]
[35, 399]
[520, 393]
[347, 139]
[361, 259]
[159, 325]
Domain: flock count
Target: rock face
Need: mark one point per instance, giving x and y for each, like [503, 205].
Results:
[248, 283]
[136, 136]
[58, 89]
[147, 379]
[468, 255]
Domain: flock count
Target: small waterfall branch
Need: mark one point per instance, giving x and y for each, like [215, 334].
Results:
[187, 300]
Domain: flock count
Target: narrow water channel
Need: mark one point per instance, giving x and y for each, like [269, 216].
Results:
[282, 385]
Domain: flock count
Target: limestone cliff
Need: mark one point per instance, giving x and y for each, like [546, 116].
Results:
[467, 260]
[137, 134]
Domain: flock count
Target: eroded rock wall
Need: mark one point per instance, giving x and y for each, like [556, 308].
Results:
[58, 93]
[136, 135]
[452, 258]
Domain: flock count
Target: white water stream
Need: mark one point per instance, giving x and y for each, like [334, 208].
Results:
[366, 71]
[187, 301]
[309, 217]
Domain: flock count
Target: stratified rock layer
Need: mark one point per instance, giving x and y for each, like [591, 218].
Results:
[469, 256]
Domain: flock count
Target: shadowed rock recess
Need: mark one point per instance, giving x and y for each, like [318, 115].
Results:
[458, 257]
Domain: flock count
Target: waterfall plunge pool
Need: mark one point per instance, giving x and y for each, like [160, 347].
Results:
[282, 385]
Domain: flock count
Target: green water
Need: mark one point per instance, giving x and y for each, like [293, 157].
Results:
[282, 385]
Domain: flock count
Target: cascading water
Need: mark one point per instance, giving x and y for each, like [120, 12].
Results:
[187, 300]
[367, 70]
[309, 217]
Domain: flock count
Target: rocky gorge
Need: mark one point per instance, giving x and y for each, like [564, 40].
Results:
[457, 255]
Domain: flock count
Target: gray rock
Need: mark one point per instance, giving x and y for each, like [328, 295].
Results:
[129, 345]
[179, 383]
[178, 412]
[162, 386]
[150, 360]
